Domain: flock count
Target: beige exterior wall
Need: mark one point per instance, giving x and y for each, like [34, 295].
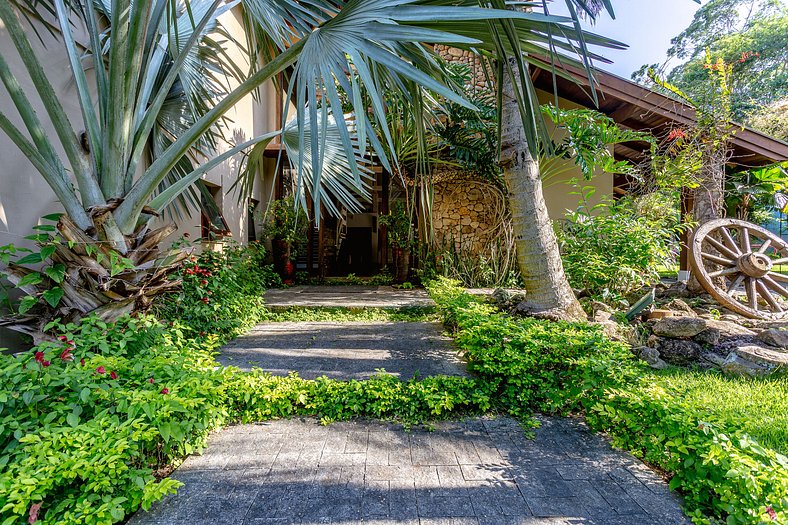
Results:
[25, 197]
[558, 190]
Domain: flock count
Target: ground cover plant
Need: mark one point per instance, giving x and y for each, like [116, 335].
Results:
[92, 420]
[718, 439]
[339, 315]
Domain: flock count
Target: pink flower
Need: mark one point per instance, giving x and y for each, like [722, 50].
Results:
[63, 338]
[113, 375]
[66, 355]
[150, 380]
[165, 391]
[32, 516]
[677, 133]
[101, 370]
[770, 511]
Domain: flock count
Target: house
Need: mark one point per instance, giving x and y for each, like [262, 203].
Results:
[356, 243]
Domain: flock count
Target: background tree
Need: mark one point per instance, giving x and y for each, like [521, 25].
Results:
[751, 36]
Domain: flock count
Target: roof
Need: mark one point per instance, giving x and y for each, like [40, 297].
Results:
[636, 107]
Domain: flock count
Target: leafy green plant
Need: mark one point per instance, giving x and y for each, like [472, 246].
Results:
[674, 419]
[399, 226]
[609, 250]
[222, 291]
[285, 221]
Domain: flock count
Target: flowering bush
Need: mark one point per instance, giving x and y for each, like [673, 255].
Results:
[222, 291]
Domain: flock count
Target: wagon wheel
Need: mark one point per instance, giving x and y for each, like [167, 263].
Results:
[734, 260]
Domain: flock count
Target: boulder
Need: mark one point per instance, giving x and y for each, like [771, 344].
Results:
[710, 336]
[754, 360]
[774, 337]
[728, 328]
[678, 305]
[651, 356]
[601, 316]
[679, 327]
[712, 358]
[680, 352]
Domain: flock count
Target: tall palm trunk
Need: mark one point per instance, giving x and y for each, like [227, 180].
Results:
[547, 288]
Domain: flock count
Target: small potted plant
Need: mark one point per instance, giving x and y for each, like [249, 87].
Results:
[286, 224]
[399, 230]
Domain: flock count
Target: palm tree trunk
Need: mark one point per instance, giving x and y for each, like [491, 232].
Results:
[547, 288]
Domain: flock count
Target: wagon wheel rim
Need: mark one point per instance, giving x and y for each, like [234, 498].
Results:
[731, 256]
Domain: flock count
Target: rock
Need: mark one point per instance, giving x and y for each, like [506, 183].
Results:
[680, 306]
[710, 336]
[601, 316]
[677, 289]
[659, 313]
[680, 352]
[507, 297]
[774, 337]
[651, 356]
[713, 358]
[754, 360]
[679, 327]
[728, 328]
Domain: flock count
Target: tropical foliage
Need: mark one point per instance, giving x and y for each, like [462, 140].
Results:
[700, 428]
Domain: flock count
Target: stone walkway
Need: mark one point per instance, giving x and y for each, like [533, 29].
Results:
[480, 471]
[347, 297]
[345, 350]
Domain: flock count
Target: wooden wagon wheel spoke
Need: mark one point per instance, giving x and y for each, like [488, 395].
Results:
[778, 277]
[728, 238]
[726, 271]
[765, 246]
[717, 259]
[744, 233]
[735, 283]
[727, 254]
[764, 292]
[721, 248]
[774, 285]
[752, 297]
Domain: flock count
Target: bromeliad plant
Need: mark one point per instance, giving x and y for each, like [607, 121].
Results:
[111, 183]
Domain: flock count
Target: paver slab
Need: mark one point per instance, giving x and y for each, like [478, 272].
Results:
[347, 297]
[509, 479]
[350, 350]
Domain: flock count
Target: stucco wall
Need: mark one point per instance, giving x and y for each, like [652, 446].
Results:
[25, 197]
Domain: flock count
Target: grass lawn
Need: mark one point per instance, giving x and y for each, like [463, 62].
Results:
[759, 407]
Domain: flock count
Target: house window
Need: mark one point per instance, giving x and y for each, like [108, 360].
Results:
[212, 224]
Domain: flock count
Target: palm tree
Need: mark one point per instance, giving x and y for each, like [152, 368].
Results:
[112, 182]
[539, 260]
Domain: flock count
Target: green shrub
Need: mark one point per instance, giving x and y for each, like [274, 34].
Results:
[672, 419]
[222, 291]
[609, 250]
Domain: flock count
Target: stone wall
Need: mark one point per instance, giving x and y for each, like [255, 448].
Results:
[467, 212]
[459, 56]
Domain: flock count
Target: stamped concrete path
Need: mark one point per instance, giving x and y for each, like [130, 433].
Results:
[476, 472]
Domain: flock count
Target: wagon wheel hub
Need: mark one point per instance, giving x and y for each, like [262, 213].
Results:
[736, 262]
[754, 264]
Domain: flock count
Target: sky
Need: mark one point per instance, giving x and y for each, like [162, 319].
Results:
[645, 25]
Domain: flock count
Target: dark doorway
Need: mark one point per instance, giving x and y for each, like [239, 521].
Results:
[356, 256]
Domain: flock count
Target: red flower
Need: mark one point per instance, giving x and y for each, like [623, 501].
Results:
[203, 282]
[113, 375]
[45, 363]
[150, 380]
[165, 391]
[32, 516]
[70, 343]
[66, 355]
[82, 361]
[205, 300]
[63, 338]
[39, 356]
[101, 370]
[770, 512]
[677, 133]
